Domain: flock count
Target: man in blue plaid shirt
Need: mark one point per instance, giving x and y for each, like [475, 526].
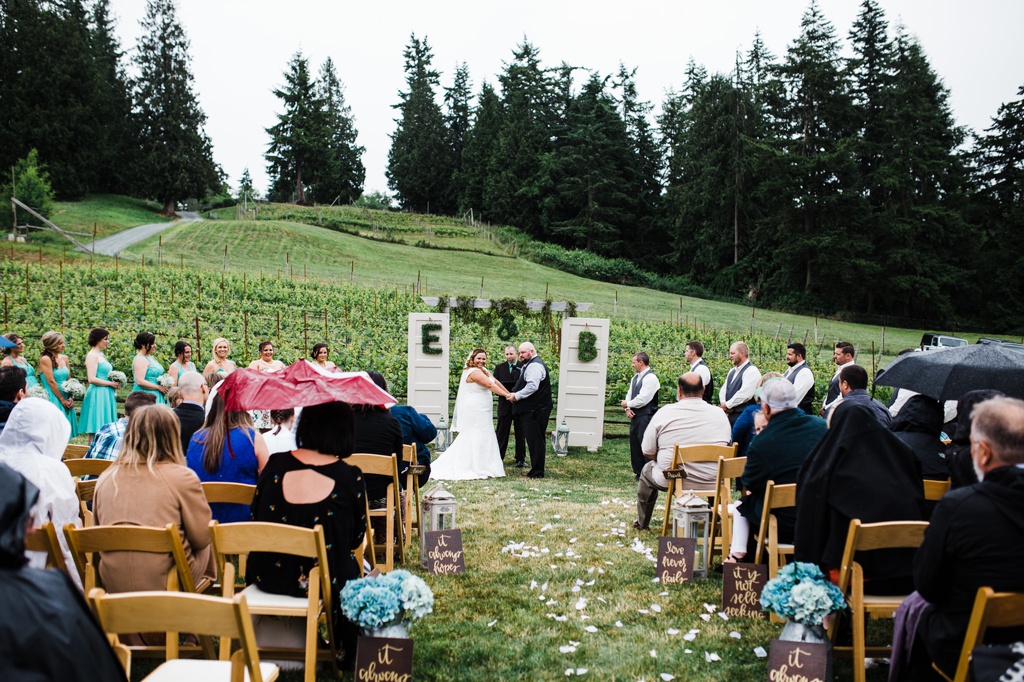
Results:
[106, 444]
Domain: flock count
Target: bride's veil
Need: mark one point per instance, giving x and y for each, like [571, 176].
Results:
[460, 402]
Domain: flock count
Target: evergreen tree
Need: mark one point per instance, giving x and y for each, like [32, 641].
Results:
[419, 167]
[246, 190]
[297, 141]
[479, 150]
[458, 105]
[176, 157]
[342, 174]
[31, 187]
[114, 144]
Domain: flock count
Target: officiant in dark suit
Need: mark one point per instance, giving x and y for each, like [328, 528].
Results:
[507, 373]
[192, 410]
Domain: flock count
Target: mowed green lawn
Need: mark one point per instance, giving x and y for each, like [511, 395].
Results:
[109, 213]
[272, 247]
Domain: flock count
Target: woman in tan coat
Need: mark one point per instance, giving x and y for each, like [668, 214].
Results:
[149, 485]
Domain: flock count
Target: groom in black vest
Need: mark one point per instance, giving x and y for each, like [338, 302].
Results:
[507, 373]
[532, 402]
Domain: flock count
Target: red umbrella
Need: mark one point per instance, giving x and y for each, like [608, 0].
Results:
[354, 388]
[300, 385]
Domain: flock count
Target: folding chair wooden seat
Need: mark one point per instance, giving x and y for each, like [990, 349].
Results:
[411, 508]
[991, 609]
[235, 539]
[75, 451]
[228, 619]
[684, 454]
[85, 491]
[863, 537]
[87, 467]
[776, 496]
[44, 539]
[385, 465]
[85, 545]
[721, 520]
[934, 490]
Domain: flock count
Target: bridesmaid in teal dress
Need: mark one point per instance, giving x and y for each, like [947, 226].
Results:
[14, 357]
[99, 407]
[54, 369]
[146, 369]
[182, 361]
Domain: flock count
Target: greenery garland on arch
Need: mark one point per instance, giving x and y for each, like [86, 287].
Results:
[502, 311]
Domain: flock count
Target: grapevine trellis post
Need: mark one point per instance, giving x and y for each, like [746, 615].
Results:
[199, 343]
[305, 337]
[245, 332]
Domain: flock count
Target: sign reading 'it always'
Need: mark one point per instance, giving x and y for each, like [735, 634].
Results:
[443, 553]
[383, 659]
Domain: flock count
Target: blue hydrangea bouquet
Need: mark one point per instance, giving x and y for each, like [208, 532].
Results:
[394, 599]
[801, 593]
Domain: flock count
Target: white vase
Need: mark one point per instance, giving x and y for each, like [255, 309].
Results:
[793, 631]
[394, 630]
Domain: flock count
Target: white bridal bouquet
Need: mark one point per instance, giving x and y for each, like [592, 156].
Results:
[165, 380]
[74, 389]
[395, 598]
[117, 376]
[37, 391]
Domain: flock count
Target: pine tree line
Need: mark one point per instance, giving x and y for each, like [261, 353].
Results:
[66, 94]
[809, 181]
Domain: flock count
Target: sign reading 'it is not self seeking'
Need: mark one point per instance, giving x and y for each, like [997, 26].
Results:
[444, 555]
[741, 589]
[383, 659]
[675, 560]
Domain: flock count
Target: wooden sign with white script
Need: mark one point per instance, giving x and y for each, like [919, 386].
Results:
[797, 662]
[675, 560]
[741, 589]
[444, 555]
[383, 659]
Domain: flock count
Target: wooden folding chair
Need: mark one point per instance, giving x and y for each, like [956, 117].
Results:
[44, 539]
[934, 490]
[228, 619]
[411, 508]
[85, 545]
[863, 537]
[364, 553]
[728, 471]
[991, 609]
[392, 513]
[684, 454]
[776, 496]
[85, 491]
[75, 451]
[87, 467]
[232, 539]
[229, 493]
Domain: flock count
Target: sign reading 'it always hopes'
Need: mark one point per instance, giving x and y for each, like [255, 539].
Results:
[797, 662]
[384, 659]
[675, 560]
[444, 553]
[741, 589]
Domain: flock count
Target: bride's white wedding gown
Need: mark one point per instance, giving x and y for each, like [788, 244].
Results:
[474, 452]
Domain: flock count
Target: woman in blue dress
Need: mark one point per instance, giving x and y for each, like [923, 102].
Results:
[14, 357]
[54, 369]
[182, 361]
[99, 407]
[229, 450]
[146, 369]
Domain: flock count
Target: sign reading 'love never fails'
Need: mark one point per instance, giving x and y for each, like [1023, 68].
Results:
[675, 560]
[444, 555]
[741, 589]
[384, 659]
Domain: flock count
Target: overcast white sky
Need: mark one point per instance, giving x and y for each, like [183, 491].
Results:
[240, 49]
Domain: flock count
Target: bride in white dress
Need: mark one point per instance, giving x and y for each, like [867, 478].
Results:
[474, 453]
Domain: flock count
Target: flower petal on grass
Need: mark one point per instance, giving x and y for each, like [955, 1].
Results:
[668, 677]
[581, 604]
[656, 608]
[711, 658]
[760, 652]
[672, 631]
[618, 623]
[690, 636]
[705, 616]
[567, 648]
[654, 653]
[710, 608]
[581, 671]
[723, 615]
[491, 624]
[591, 629]
[735, 635]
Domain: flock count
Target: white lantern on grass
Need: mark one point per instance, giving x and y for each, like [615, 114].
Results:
[691, 518]
[444, 436]
[437, 512]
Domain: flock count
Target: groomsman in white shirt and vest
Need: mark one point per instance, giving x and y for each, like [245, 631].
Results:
[801, 376]
[843, 357]
[641, 403]
[695, 356]
[737, 393]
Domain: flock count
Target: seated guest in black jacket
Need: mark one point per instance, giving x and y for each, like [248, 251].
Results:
[192, 411]
[975, 539]
[377, 432]
[919, 425]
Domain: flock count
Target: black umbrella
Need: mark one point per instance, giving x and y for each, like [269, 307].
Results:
[948, 373]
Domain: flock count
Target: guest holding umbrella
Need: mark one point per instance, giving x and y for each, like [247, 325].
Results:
[14, 357]
[147, 369]
[55, 369]
[99, 406]
[182, 361]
